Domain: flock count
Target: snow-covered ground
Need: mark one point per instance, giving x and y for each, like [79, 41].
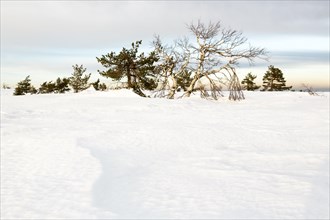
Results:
[100, 155]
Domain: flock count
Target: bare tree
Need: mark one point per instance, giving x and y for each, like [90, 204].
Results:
[215, 56]
[205, 65]
[173, 65]
[309, 89]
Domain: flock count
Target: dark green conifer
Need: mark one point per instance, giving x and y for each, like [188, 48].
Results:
[47, 87]
[103, 87]
[62, 85]
[77, 81]
[248, 83]
[137, 69]
[273, 80]
[24, 87]
[184, 79]
[59, 86]
[96, 84]
[99, 86]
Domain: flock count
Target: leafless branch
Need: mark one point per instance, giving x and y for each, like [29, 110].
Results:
[309, 89]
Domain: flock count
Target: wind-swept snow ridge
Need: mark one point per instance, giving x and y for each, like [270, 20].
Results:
[101, 155]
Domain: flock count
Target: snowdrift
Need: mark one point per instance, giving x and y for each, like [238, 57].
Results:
[103, 155]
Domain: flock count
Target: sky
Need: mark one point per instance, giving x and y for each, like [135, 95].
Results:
[44, 39]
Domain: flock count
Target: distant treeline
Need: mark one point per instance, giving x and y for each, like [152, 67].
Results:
[206, 65]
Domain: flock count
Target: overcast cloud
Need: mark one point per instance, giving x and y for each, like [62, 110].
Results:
[57, 29]
[94, 24]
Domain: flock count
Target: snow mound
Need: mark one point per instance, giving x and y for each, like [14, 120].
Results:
[6, 92]
[122, 93]
[89, 90]
[116, 93]
[115, 155]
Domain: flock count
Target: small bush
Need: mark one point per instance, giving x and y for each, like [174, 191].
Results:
[99, 86]
[24, 87]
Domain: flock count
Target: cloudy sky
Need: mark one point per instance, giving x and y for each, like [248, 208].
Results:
[44, 39]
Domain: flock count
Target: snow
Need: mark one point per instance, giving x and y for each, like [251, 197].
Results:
[103, 155]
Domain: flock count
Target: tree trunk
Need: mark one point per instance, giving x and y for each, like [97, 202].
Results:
[235, 90]
[173, 88]
[129, 80]
[198, 74]
[191, 86]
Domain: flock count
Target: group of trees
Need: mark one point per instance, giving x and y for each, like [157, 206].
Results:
[78, 82]
[273, 80]
[59, 86]
[207, 63]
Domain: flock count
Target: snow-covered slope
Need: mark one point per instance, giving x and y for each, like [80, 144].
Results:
[99, 155]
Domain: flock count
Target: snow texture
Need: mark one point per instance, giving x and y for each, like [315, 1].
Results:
[103, 155]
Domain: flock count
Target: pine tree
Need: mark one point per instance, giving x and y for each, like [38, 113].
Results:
[99, 86]
[77, 81]
[62, 85]
[24, 87]
[33, 90]
[47, 87]
[136, 68]
[103, 87]
[59, 86]
[96, 84]
[250, 85]
[273, 80]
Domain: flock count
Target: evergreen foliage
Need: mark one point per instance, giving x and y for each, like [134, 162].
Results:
[47, 87]
[33, 90]
[103, 87]
[184, 79]
[99, 86]
[62, 85]
[138, 69]
[77, 81]
[248, 82]
[59, 86]
[24, 87]
[96, 84]
[273, 80]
